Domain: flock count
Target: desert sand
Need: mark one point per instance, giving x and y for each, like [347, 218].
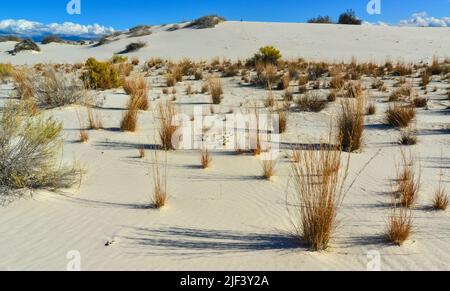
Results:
[226, 217]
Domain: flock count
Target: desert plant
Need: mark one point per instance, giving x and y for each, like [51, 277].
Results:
[205, 158]
[159, 175]
[408, 137]
[399, 225]
[6, 71]
[282, 117]
[166, 115]
[425, 78]
[142, 152]
[216, 90]
[318, 181]
[371, 109]
[321, 20]
[94, 119]
[267, 55]
[129, 119]
[138, 88]
[353, 89]
[349, 17]
[133, 47]
[404, 92]
[441, 199]
[311, 102]
[350, 124]
[100, 75]
[55, 89]
[29, 147]
[400, 116]
[332, 96]
[84, 136]
[209, 21]
[420, 102]
[268, 168]
[408, 183]
[25, 45]
[24, 86]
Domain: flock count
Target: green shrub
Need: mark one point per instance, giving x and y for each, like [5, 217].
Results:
[100, 75]
[6, 71]
[267, 55]
[29, 147]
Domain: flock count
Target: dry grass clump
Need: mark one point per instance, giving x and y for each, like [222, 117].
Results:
[318, 181]
[205, 158]
[94, 119]
[332, 96]
[166, 115]
[399, 227]
[353, 89]
[402, 69]
[378, 84]
[371, 109]
[84, 136]
[209, 21]
[138, 88]
[56, 89]
[425, 78]
[350, 124]
[400, 116]
[159, 195]
[174, 75]
[420, 102]
[303, 81]
[408, 183]
[408, 137]
[311, 102]
[23, 82]
[129, 119]
[216, 90]
[337, 82]
[282, 121]
[29, 150]
[404, 92]
[441, 199]
[268, 168]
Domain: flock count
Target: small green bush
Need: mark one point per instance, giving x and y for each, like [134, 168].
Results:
[29, 147]
[267, 55]
[100, 75]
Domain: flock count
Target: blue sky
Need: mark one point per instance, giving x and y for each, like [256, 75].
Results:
[122, 14]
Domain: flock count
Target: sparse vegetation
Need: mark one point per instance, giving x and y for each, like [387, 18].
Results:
[399, 225]
[349, 17]
[400, 116]
[133, 47]
[267, 55]
[408, 183]
[209, 21]
[166, 114]
[159, 175]
[321, 20]
[216, 90]
[100, 75]
[30, 145]
[318, 181]
[311, 102]
[350, 124]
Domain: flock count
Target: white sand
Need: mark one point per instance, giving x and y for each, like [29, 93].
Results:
[226, 218]
[239, 40]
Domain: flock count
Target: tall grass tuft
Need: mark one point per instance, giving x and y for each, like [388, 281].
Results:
[166, 114]
[350, 124]
[318, 180]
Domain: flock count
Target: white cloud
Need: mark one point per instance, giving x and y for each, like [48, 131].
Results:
[31, 28]
[422, 19]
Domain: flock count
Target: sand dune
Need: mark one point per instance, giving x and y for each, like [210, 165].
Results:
[239, 40]
[226, 217]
